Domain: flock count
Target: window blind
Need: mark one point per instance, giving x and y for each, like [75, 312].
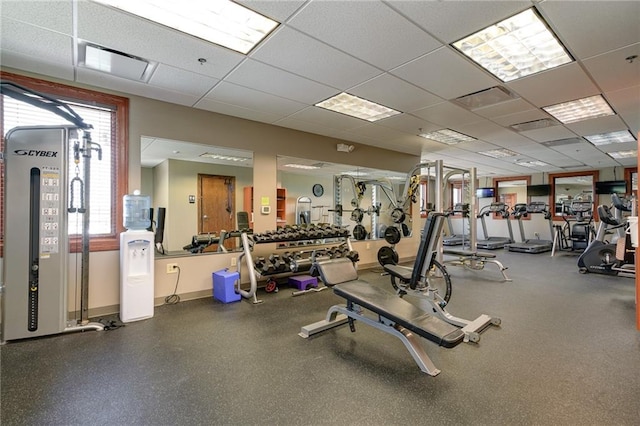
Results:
[101, 198]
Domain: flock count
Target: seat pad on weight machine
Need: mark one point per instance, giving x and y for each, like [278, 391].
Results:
[400, 312]
[399, 271]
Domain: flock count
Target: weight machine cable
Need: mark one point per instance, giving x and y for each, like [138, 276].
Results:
[174, 298]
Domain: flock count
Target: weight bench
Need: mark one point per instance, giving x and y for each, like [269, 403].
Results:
[391, 313]
[474, 260]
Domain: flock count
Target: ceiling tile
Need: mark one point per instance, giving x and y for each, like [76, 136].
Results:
[272, 80]
[178, 80]
[461, 76]
[409, 124]
[277, 10]
[607, 24]
[35, 42]
[549, 134]
[447, 115]
[612, 71]
[435, 17]
[370, 31]
[57, 16]
[36, 65]
[566, 83]
[331, 119]
[625, 103]
[255, 100]
[392, 92]
[236, 111]
[290, 50]
[100, 79]
[597, 125]
[505, 108]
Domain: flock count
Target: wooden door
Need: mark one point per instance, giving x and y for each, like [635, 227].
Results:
[216, 195]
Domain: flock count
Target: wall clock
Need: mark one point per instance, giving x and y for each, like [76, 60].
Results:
[318, 190]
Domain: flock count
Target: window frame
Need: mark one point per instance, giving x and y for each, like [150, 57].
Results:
[102, 242]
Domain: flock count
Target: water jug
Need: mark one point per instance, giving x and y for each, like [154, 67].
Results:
[136, 211]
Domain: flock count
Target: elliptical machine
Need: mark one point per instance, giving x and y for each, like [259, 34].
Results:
[610, 258]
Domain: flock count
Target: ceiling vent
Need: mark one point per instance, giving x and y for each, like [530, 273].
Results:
[487, 97]
[560, 142]
[119, 64]
[534, 125]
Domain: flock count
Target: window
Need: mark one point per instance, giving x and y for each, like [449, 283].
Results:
[108, 115]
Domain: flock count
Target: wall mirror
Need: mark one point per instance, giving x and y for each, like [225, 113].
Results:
[569, 187]
[313, 190]
[201, 188]
[512, 191]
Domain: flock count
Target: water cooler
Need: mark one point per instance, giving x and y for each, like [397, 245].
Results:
[136, 260]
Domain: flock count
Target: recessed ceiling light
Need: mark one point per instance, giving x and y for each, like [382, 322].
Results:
[623, 154]
[534, 163]
[515, 47]
[499, 153]
[447, 136]
[354, 106]
[222, 22]
[581, 109]
[301, 166]
[612, 137]
[223, 157]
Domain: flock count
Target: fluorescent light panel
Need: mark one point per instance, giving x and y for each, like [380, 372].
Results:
[499, 153]
[581, 109]
[354, 106]
[515, 47]
[223, 157]
[222, 22]
[612, 137]
[534, 163]
[447, 136]
[624, 154]
[301, 166]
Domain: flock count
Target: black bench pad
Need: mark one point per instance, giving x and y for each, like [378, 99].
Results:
[469, 253]
[398, 271]
[401, 312]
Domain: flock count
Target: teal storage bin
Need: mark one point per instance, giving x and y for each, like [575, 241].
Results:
[224, 286]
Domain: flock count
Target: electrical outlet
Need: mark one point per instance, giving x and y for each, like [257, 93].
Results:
[172, 268]
[368, 246]
[233, 261]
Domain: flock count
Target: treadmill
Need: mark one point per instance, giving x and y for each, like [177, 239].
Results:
[532, 245]
[494, 243]
[455, 239]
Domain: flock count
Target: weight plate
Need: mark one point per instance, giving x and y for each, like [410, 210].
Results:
[405, 230]
[359, 232]
[357, 215]
[397, 215]
[392, 235]
[387, 256]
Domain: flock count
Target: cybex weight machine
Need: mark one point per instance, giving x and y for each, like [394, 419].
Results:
[39, 195]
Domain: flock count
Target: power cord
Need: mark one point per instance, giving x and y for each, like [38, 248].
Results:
[174, 298]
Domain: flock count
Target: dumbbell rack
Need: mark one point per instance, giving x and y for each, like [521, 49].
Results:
[291, 263]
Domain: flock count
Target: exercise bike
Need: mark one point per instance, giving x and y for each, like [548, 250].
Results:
[610, 258]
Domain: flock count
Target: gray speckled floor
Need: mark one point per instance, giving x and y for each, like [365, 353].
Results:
[567, 353]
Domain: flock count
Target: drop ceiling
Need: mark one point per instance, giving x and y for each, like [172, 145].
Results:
[396, 53]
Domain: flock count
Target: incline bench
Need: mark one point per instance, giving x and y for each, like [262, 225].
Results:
[395, 315]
